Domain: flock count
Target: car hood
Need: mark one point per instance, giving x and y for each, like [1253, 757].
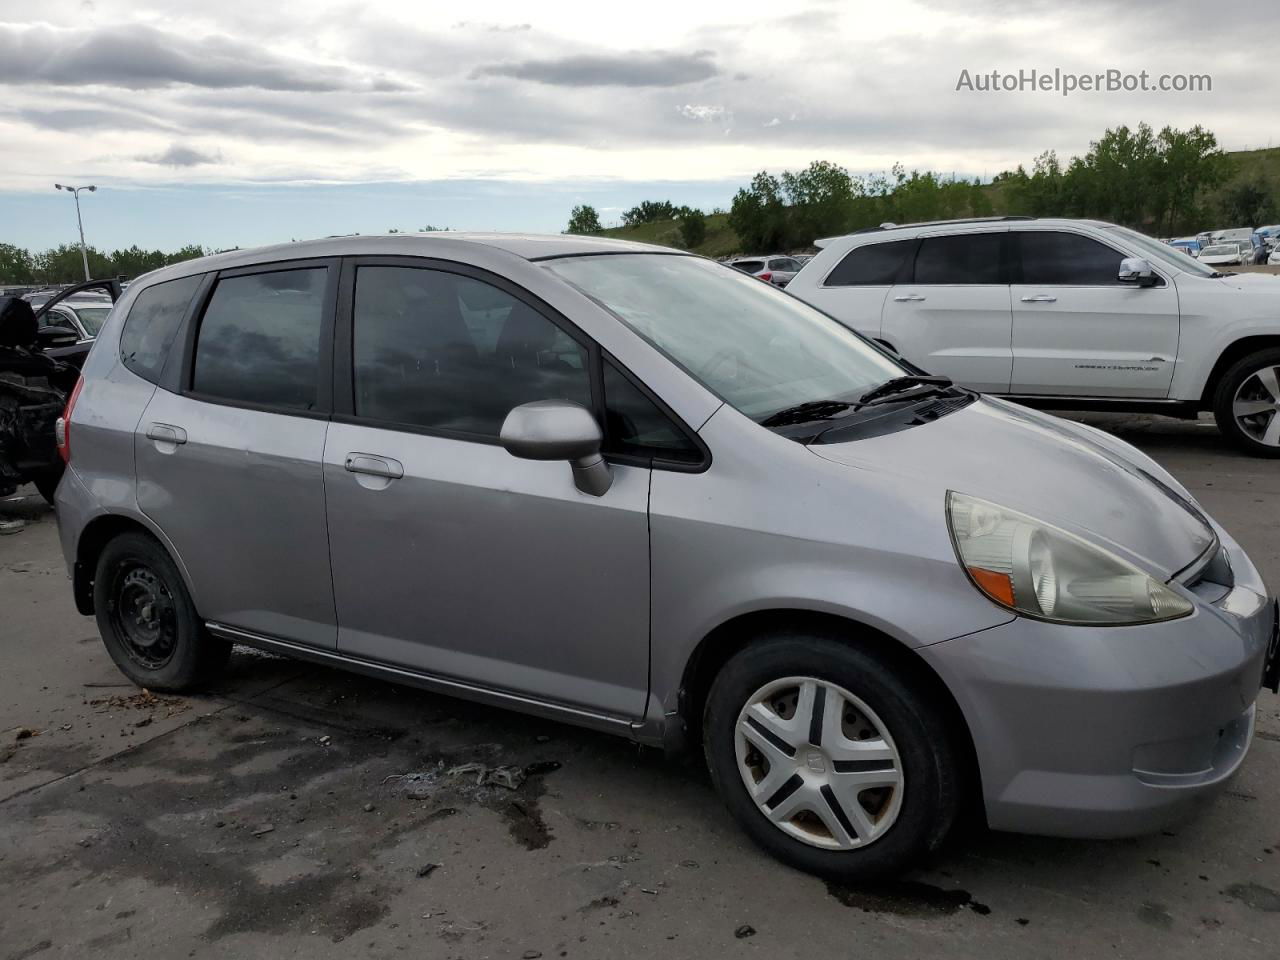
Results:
[1040, 465]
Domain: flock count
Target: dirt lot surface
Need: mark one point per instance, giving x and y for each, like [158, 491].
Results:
[300, 812]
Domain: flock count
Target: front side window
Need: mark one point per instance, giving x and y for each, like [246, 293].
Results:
[259, 340]
[755, 347]
[875, 264]
[965, 258]
[92, 318]
[1066, 259]
[448, 352]
[152, 323]
[636, 426]
[56, 318]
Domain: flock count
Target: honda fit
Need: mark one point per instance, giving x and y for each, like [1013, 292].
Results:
[643, 492]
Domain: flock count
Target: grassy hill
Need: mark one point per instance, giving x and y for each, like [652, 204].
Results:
[721, 241]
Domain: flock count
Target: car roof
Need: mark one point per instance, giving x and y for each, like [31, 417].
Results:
[527, 246]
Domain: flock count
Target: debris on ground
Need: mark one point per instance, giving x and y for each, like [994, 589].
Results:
[427, 869]
[142, 700]
[503, 776]
[744, 931]
[25, 733]
[12, 526]
[263, 830]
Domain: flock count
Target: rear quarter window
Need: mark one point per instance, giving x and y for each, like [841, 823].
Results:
[152, 322]
[874, 264]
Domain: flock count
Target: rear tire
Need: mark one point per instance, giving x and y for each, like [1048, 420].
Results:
[874, 795]
[147, 620]
[1251, 384]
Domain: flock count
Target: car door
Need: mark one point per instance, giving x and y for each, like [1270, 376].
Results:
[229, 462]
[1077, 330]
[854, 290]
[953, 317]
[451, 557]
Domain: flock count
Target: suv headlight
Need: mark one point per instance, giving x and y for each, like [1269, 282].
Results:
[1037, 569]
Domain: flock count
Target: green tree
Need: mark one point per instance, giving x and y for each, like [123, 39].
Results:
[758, 215]
[1191, 163]
[649, 211]
[584, 219]
[15, 265]
[693, 227]
[1248, 203]
[821, 198]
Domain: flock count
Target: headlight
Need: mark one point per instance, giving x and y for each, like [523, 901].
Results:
[1035, 568]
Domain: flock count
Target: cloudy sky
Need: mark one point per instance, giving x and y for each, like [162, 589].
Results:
[239, 122]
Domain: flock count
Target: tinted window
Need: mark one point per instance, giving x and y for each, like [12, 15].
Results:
[1066, 258]
[874, 264]
[750, 266]
[964, 258]
[152, 323]
[638, 427]
[784, 264]
[259, 340]
[439, 350]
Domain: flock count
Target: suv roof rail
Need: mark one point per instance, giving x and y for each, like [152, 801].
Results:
[943, 223]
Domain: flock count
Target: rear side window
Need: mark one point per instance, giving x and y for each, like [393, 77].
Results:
[961, 259]
[637, 427]
[876, 264]
[750, 266]
[153, 321]
[259, 341]
[1066, 259]
[448, 352]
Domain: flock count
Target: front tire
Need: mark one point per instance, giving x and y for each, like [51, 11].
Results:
[147, 620]
[1247, 404]
[830, 757]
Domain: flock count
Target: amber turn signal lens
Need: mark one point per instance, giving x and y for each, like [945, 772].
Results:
[998, 586]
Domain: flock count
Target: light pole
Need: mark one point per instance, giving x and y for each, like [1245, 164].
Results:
[75, 192]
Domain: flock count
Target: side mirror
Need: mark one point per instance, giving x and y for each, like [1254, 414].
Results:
[1136, 270]
[559, 430]
[55, 336]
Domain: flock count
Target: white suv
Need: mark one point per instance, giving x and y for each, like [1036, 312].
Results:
[1063, 313]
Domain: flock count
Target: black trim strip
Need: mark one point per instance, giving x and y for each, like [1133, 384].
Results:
[815, 717]
[784, 791]
[829, 795]
[772, 737]
[862, 766]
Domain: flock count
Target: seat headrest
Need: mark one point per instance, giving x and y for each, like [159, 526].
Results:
[17, 323]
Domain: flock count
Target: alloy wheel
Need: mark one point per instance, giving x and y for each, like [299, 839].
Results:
[1256, 406]
[819, 763]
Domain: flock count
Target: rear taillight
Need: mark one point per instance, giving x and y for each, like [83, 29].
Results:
[62, 429]
[766, 277]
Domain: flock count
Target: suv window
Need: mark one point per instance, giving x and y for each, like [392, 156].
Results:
[1049, 257]
[637, 427]
[448, 352]
[259, 340]
[153, 321]
[965, 258]
[784, 264]
[876, 264]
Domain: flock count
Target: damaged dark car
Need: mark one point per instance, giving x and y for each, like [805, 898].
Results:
[39, 367]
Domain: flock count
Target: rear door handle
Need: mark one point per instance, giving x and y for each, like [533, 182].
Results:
[166, 433]
[1041, 298]
[372, 465]
[910, 298]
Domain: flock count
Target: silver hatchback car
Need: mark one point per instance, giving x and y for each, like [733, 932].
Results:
[640, 491]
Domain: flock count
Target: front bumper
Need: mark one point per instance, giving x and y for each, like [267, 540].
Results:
[1106, 732]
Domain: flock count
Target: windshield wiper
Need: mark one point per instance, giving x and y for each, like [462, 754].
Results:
[805, 413]
[898, 385]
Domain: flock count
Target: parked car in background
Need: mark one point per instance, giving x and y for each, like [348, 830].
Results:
[1065, 313]
[1224, 254]
[1188, 245]
[1235, 234]
[638, 491]
[1273, 258]
[776, 270]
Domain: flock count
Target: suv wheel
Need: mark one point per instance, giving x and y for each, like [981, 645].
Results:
[829, 758]
[147, 619]
[1247, 403]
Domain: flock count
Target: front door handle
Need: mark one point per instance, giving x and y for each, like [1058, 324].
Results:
[372, 465]
[1040, 298]
[166, 433]
[909, 298]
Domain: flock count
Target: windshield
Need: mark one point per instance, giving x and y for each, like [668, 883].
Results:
[92, 318]
[758, 349]
[1162, 251]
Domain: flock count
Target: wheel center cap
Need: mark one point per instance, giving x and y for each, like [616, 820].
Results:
[816, 762]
